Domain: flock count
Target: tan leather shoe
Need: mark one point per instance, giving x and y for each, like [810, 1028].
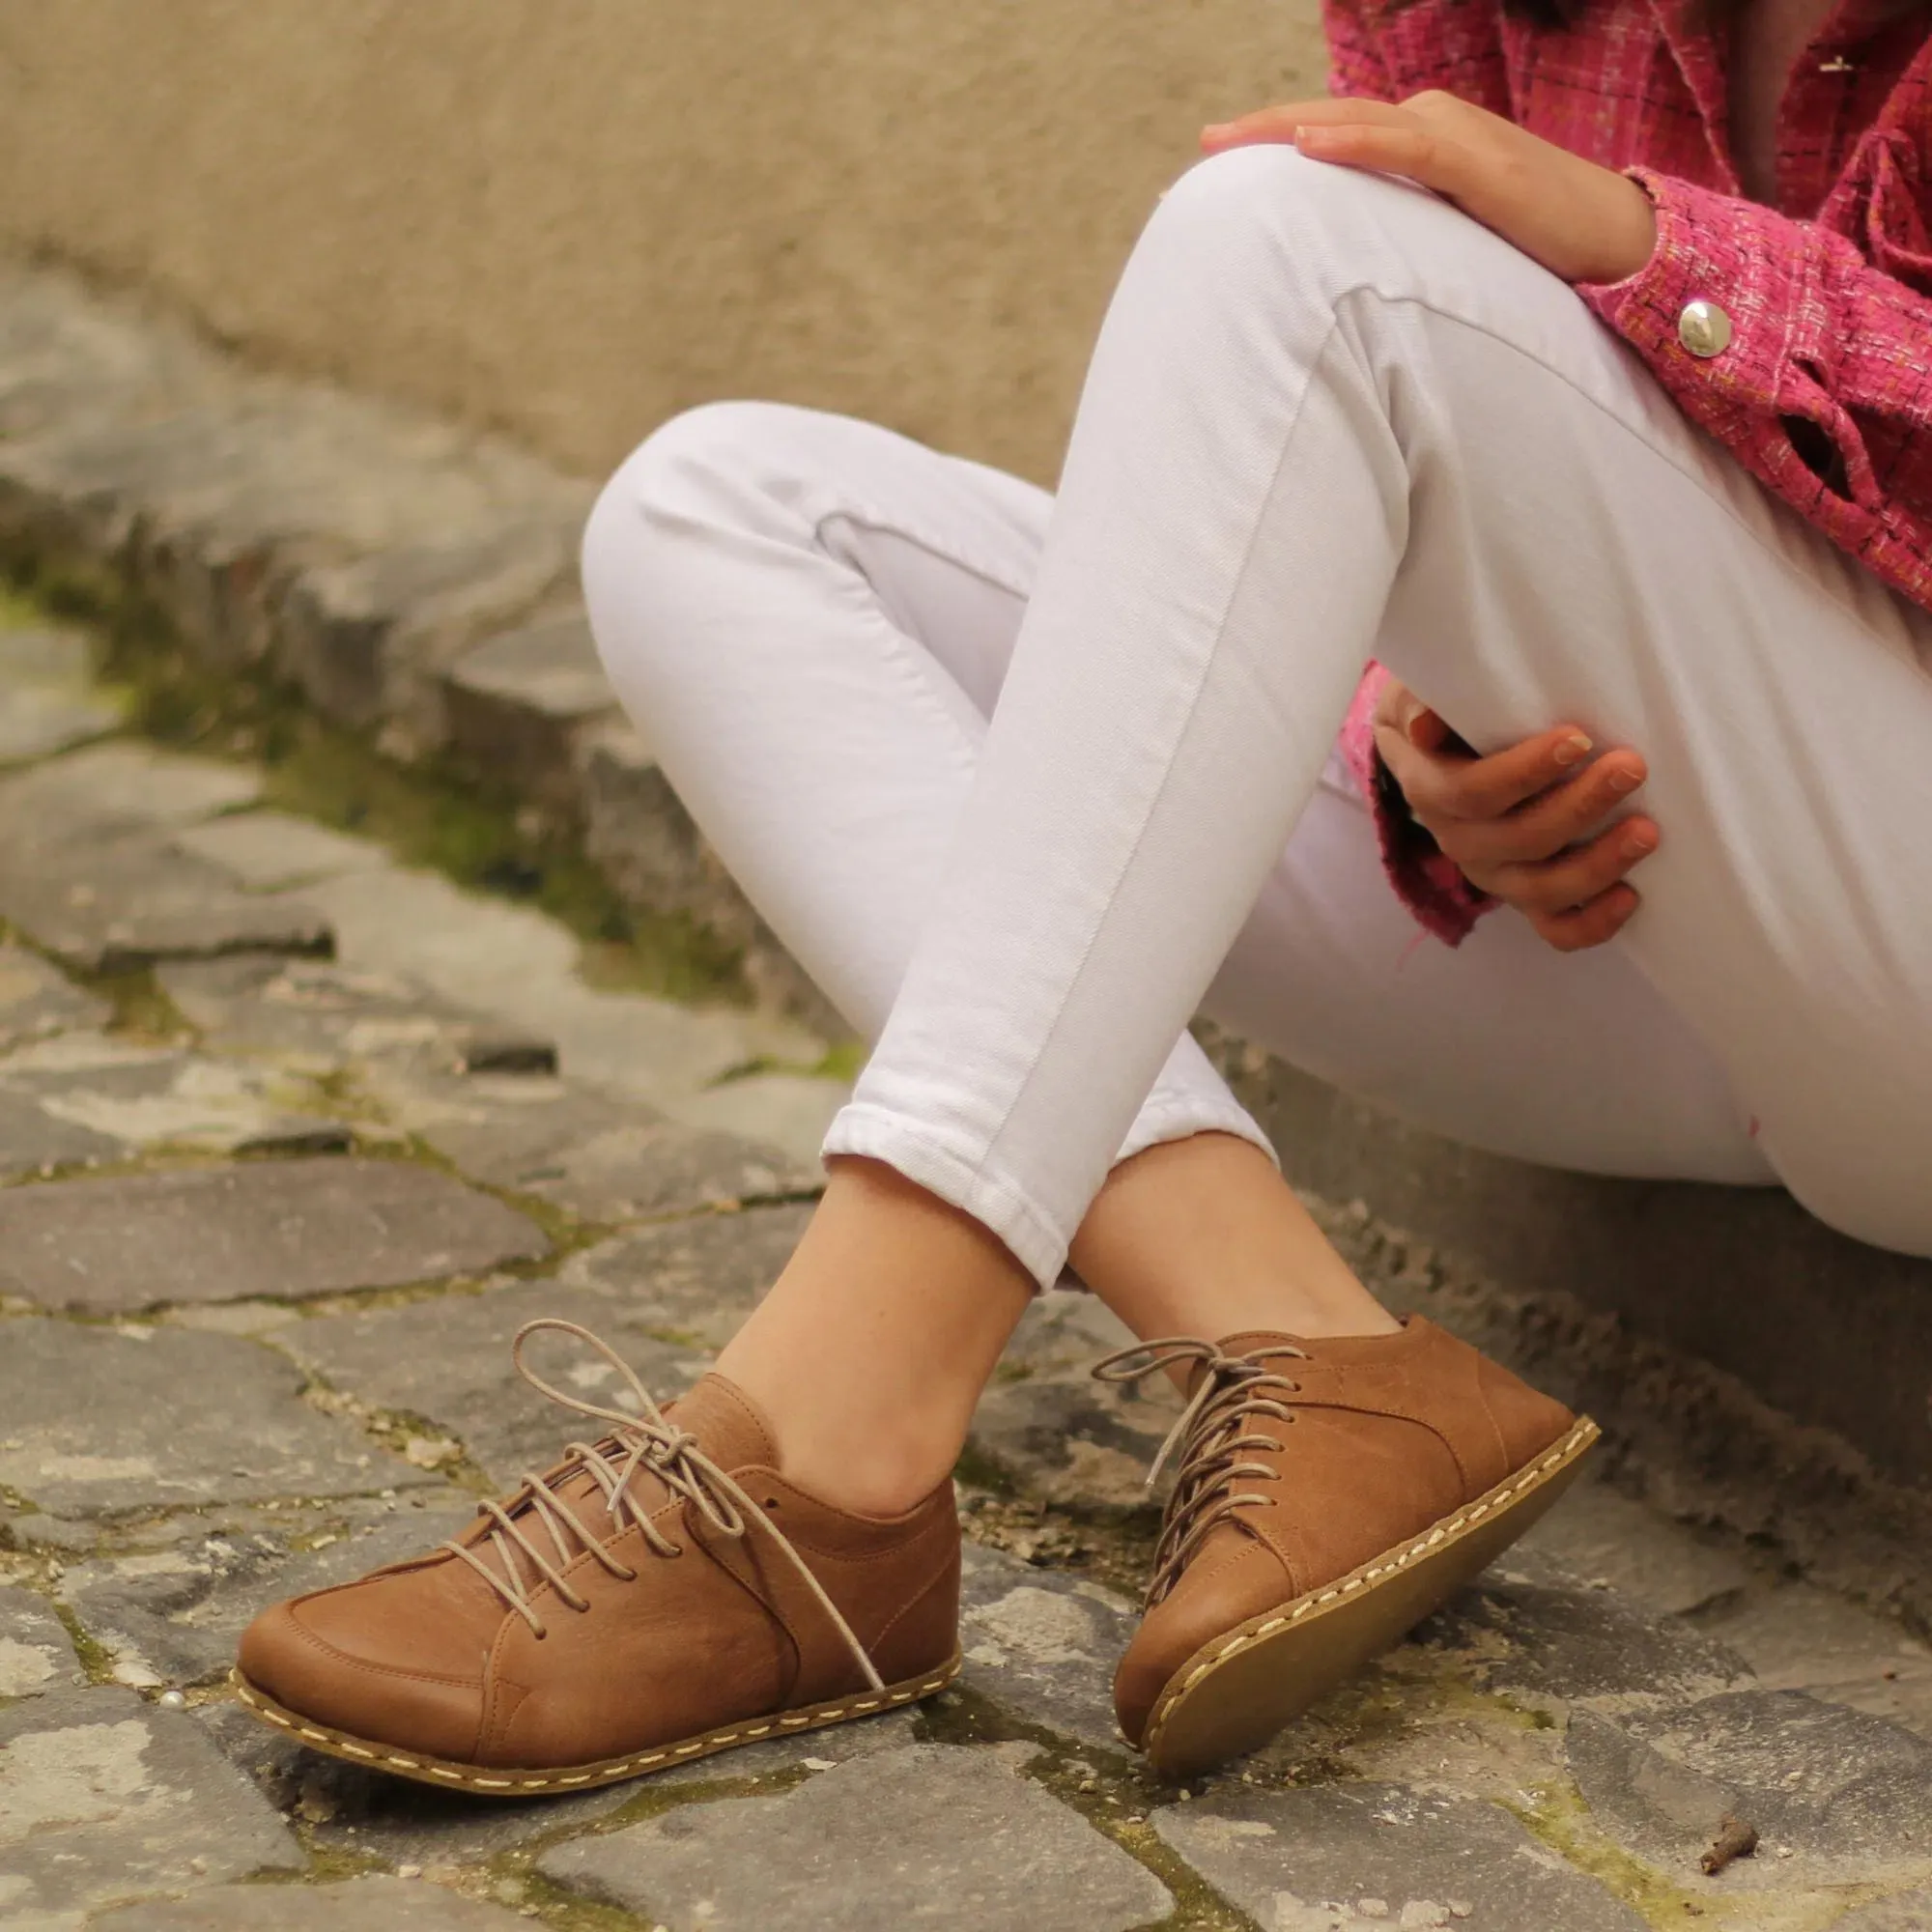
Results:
[1330, 1495]
[658, 1596]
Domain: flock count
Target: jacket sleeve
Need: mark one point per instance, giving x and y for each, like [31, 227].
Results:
[1825, 391]
[1426, 879]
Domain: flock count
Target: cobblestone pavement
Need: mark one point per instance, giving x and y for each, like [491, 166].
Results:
[288, 1157]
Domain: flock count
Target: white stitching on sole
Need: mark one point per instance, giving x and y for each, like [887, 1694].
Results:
[340, 1744]
[1579, 1438]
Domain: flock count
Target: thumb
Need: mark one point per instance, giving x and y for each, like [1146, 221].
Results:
[1425, 730]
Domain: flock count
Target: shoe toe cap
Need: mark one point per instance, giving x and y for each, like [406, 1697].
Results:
[345, 1667]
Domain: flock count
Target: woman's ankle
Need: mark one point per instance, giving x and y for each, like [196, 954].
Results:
[871, 1348]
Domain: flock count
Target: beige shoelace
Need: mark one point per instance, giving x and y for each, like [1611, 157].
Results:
[1211, 1433]
[647, 1440]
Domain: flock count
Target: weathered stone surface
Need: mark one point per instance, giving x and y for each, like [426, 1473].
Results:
[266, 851]
[517, 965]
[1044, 1645]
[274, 1228]
[1909, 1912]
[1558, 1646]
[931, 1836]
[36, 1001]
[36, 1652]
[518, 703]
[47, 702]
[104, 1421]
[790, 1111]
[448, 1361]
[359, 1905]
[597, 1154]
[1662, 1568]
[102, 901]
[315, 1013]
[119, 785]
[691, 1281]
[1845, 1793]
[131, 1097]
[366, 637]
[1798, 1637]
[1339, 1858]
[173, 1615]
[33, 1141]
[104, 1797]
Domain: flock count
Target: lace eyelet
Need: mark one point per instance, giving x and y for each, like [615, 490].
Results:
[676, 1549]
[540, 1635]
[627, 1575]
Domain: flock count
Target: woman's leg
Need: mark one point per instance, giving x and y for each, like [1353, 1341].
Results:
[811, 618]
[1329, 418]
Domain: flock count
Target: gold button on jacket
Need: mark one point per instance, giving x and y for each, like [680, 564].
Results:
[1704, 328]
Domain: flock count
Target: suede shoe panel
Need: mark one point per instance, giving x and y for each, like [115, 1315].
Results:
[666, 1586]
[1303, 1460]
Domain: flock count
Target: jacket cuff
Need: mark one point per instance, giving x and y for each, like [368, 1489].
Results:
[1426, 879]
[1760, 268]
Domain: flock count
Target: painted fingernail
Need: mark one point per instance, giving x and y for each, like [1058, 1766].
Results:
[1572, 749]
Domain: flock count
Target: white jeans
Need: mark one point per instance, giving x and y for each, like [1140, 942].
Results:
[1328, 418]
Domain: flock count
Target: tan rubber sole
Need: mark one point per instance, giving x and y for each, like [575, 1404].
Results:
[1233, 1694]
[496, 1781]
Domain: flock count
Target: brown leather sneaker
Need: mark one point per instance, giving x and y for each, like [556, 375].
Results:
[657, 1596]
[1331, 1494]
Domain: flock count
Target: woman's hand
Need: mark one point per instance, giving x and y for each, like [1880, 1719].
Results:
[1524, 825]
[1582, 221]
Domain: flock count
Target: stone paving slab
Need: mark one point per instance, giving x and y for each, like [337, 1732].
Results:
[1908, 1912]
[1843, 1794]
[280, 1230]
[48, 697]
[1556, 1642]
[103, 902]
[1601, 1536]
[1799, 1637]
[376, 1903]
[33, 1141]
[448, 1360]
[518, 965]
[600, 1157]
[38, 1001]
[270, 851]
[109, 1421]
[132, 1097]
[936, 1836]
[315, 1013]
[118, 785]
[1044, 1645]
[1372, 1857]
[176, 1615]
[693, 1280]
[104, 1797]
[524, 699]
[36, 1653]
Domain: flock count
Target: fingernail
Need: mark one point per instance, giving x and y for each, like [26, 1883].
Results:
[1641, 840]
[1572, 749]
[1622, 782]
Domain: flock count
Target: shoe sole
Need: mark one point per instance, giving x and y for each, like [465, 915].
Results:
[1236, 1693]
[498, 1781]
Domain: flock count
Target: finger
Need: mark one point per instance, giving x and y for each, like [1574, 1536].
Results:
[1566, 815]
[1562, 884]
[1415, 151]
[1451, 788]
[1426, 730]
[1279, 122]
[1588, 925]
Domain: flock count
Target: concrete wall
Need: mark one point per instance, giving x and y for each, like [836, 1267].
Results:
[569, 218]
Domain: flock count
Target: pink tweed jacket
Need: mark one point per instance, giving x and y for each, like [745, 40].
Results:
[1830, 292]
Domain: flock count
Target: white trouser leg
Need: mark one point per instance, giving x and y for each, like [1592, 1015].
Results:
[1327, 418]
[811, 618]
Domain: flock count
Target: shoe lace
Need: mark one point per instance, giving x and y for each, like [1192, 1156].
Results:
[647, 1440]
[1211, 1433]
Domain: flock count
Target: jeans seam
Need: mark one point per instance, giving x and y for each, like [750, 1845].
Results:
[994, 1139]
